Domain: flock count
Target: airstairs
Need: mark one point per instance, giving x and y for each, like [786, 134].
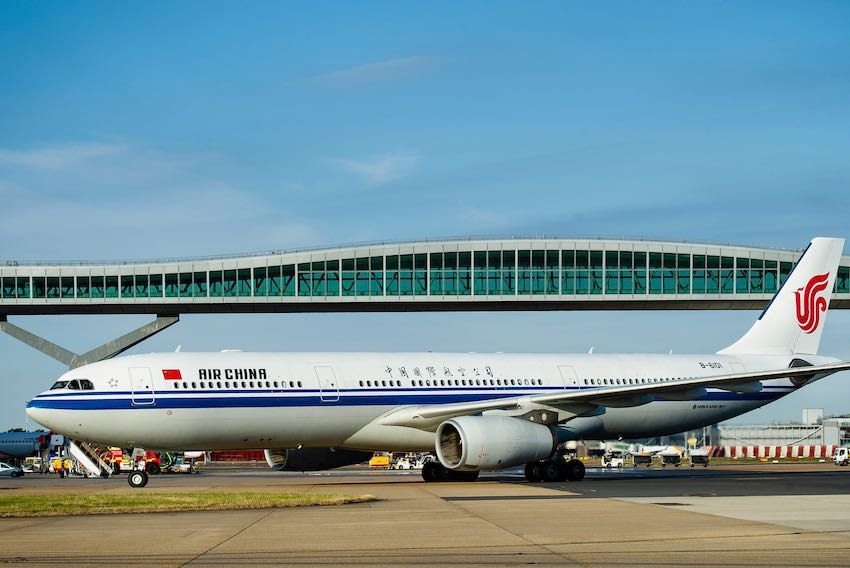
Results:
[88, 456]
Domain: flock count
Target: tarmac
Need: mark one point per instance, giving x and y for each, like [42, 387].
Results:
[760, 515]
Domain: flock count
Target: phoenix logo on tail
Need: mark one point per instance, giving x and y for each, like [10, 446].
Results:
[811, 302]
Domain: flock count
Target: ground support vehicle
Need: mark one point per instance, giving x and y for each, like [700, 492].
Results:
[614, 458]
[841, 456]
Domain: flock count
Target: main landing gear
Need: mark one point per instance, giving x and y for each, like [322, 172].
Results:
[554, 469]
[435, 471]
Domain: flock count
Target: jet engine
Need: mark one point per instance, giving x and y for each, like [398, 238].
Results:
[313, 459]
[473, 443]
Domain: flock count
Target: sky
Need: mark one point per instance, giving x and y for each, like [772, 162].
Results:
[162, 129]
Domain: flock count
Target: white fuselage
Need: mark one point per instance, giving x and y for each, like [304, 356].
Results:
[234, 400]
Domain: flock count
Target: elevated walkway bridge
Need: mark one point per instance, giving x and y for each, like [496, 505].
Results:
[439, 275]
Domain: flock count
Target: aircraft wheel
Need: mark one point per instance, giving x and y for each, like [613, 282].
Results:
[137, 479]
[431, 471]
[532, 472]
[553, 472]
[575, 470]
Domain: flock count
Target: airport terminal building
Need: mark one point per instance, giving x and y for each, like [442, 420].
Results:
[453, 274]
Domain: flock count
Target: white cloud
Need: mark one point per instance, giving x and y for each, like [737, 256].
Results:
[371, 73]
[60, 157]
[379, 169]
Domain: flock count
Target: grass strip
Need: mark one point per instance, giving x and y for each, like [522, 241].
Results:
[154, 502]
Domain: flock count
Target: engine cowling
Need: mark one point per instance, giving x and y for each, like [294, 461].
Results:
[313, 459]
[473, 443]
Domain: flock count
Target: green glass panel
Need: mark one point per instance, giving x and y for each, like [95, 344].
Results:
[743, 262]
[756, 263]
[348, 282]
[626, 259]
[626, 281]
[464, 260]
[420, 261]
[8, 289]
[97, 287]
[742, 281]
[319, 283]
[392, 262]
[287, 280]
[140, 285]
[596, 257]
[261, 281]
[494, 281]
[376, 264]
[683, 281]
[524, 259]
[656, 279]
[568, 281]
[568, 259]
[53, 290]
[273, 281]
[597, 280]
[713, 262]
[376, 283]
[494, 260]
[436, 280]
[392, 280]
[171, 285]
[450, 281]
[244, 277]
[553, 259]
[480, 259]
[199, 285]
[684, 261]
[361, 264]
[362, 284]
[843, 281]
[655, 259]
[727, 262]
[185, 286]
[228, 284]
[712, 282]
[770, 281]
[83, 286]
[405, 280]
[332, 281]
[420, 281]
[756, 281]
[640, 260]
[67, 287]
[612, 281]
[39, 287]
[699, 280]
[436, 261]
[155, 286]
[217, 283]
[771, 264]
[111, 288]
[348, 264]
[318, 266]
[539, 282]
[464, 281]
[508, 280]
[552, 281]
[699, 261]
[406, 262]
[126, 286]
[508, 259]
[612, 259]
[524, 280]
[640, 279]
[582, 281]
[304, 279]
[480, 282]
[785, 269]
[727, 281]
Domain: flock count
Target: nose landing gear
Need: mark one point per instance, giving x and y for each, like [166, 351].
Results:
[137, 478]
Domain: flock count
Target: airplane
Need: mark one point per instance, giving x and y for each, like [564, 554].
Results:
[19, 445]
[313, 411]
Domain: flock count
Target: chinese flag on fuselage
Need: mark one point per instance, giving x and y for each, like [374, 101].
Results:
[172, 375]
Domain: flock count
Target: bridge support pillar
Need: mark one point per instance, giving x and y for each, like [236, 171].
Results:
[106, 351]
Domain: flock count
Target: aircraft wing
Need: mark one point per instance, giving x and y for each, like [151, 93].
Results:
[571, 403]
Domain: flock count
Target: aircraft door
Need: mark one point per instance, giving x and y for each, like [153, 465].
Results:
[568, 375]
[328, 388]
[141, 386]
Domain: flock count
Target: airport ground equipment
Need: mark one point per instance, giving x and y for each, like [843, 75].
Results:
[7, 470]
[88, 456]
[670, 457]
[642, 459]
[614, 458]
[841, 456]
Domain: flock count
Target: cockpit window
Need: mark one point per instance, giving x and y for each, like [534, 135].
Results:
[58, 385]
[73, 385]
[86, 385]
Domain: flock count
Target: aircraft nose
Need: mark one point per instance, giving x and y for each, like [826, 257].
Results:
[50, 418]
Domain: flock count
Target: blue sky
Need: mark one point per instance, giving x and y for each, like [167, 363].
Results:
[197, 128]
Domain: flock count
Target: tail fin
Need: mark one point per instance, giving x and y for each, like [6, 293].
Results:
[793, 321]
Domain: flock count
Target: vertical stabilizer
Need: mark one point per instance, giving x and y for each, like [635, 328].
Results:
[793, 321]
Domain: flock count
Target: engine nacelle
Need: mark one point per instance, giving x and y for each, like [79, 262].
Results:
[313, 459]
[472, 443]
